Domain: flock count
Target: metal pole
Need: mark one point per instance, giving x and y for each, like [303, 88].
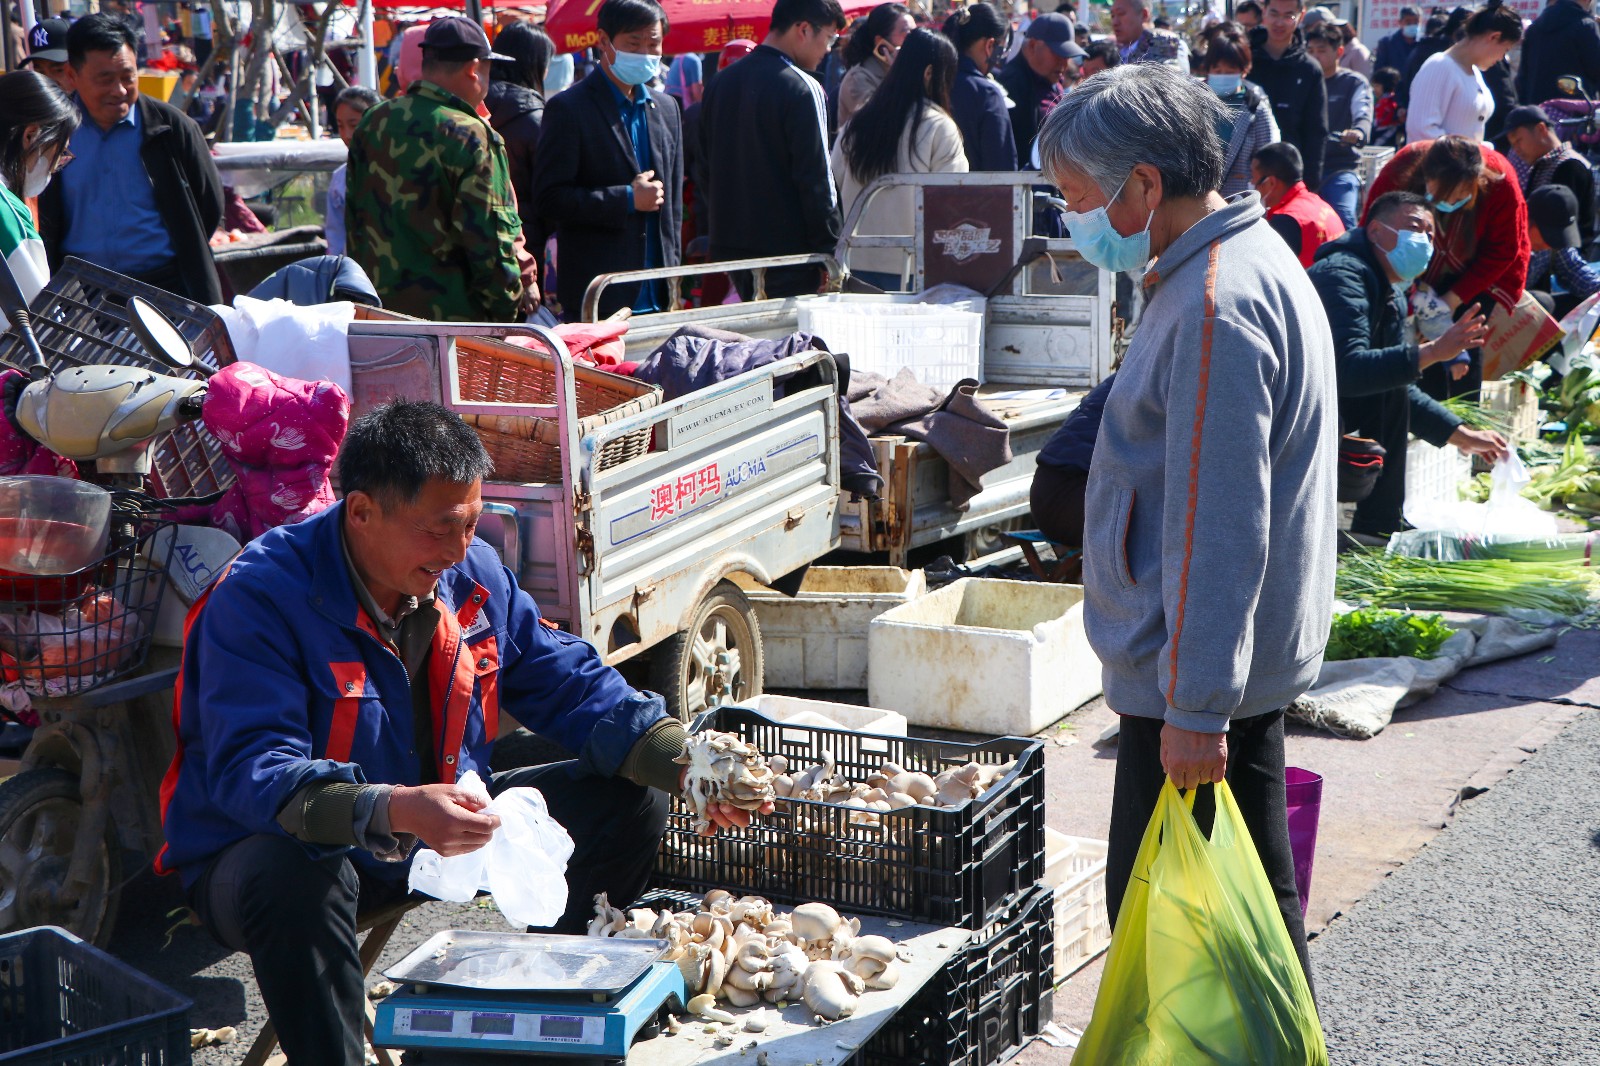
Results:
[367, 61]
[30, 17]
[475, 11]
[5, 32]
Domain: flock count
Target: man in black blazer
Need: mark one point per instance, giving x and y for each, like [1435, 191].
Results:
[608, 177]
[764, 127]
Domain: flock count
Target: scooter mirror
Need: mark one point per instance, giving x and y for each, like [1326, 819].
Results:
[1570, 85]
[160, 337]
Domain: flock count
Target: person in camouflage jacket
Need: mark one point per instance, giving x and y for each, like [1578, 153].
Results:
[429, 209]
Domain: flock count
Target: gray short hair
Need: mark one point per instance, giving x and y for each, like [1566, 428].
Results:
[1138, 113]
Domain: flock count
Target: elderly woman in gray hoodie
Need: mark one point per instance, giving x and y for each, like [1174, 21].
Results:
[1210, 521]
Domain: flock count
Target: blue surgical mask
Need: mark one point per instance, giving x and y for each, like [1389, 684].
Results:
[1413, 31]
[635, 68]
[1098, 241]
[1224, 84]
[1411, 254]
[1448, 208]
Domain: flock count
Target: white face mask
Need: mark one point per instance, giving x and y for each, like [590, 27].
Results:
[37, 177]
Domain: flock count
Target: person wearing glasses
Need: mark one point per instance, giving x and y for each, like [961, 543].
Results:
[37, 120]
[764, 128]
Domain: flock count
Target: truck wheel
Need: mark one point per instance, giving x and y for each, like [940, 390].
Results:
[719, 655]
[40, 811]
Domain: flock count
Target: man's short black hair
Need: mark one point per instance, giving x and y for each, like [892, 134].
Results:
[625, 16]
[1248, 6]
[1282, 161]
[820, 13]
[1392, 203]
[395, 449]
[1105, 51]
[98, 33]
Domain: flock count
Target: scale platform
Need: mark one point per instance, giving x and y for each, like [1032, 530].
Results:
[469, 994]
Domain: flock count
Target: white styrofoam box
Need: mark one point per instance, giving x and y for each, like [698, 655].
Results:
[940, 343]
[984, 656]
[818, 638]
[820, 714]
[1076, 868]
[1435, 473]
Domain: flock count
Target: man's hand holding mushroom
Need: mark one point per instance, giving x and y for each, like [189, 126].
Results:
[725, 780]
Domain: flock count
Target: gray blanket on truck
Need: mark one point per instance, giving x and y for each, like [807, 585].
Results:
[697, 356]
[972, 439]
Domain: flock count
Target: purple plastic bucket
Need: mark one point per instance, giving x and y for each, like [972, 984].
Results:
[1303, 791]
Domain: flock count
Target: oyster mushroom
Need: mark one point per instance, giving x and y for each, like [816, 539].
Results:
[815, 925]
[831, 991]
[918, 786]
[705, 1006]
[723, 769]
[872, 958]
[608, 921]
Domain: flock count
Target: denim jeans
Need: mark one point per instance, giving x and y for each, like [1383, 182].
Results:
[1343, 192]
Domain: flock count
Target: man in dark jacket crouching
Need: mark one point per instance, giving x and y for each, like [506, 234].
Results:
[1363, 278]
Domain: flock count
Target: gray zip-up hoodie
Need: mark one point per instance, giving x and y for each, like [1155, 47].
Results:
[1209, 551]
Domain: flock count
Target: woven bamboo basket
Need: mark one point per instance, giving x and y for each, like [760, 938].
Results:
[527, 448]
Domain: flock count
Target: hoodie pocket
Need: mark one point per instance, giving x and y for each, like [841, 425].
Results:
[1121, 526]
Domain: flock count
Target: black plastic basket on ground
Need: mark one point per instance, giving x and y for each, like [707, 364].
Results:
[945, 866]
[1009, 978]
[67, 1003]
[81, 319]
[65, 634]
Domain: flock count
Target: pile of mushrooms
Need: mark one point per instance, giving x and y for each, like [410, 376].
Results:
[889, 788]
[723, 768]
[744, 952]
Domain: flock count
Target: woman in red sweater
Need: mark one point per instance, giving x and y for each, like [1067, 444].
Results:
[1481, 250]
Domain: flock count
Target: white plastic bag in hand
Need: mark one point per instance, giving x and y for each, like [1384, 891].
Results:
[526, 859]
[523, 866]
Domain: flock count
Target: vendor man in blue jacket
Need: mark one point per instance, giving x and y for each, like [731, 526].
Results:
[338, 681]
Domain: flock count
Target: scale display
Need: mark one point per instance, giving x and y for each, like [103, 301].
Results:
[479, 1025]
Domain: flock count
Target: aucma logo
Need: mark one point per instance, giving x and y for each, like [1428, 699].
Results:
[966, 241]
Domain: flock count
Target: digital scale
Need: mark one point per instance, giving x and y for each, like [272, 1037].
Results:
[466, 994]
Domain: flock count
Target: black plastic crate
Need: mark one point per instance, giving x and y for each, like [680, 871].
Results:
[67, 1003]
[932, 1029]
[945, 866]
[1009, 978]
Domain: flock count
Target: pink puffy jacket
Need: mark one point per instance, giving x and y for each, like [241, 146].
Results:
[280, 435]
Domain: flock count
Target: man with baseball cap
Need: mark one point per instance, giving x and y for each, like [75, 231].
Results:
[1035, 76]
[1542, 158]
[47, 52]
[429, 209]
[1553, 235]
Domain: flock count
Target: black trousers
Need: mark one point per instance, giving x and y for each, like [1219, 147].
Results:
[1056, 499]
[296, 916]
[1255, 773]
[780, 282]
[1386, 418]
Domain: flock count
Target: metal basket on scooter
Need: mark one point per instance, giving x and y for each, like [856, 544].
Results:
[63, 634]
[81, 319]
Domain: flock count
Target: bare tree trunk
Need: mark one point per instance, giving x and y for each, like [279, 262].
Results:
[303, 85]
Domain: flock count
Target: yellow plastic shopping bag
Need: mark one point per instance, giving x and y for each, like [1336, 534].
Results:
[1201, 970]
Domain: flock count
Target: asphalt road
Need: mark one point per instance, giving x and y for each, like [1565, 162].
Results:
[1481, 949]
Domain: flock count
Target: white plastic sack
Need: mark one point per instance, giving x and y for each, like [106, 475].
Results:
[1507, 514]
[309, 343]
[523, 866]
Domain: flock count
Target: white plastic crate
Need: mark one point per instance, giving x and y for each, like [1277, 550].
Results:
[1517, 403]
[820, 714]
[984, 656]
[941, 343]
[1076, 868]
[1435, 473]
[1372, 161]
[818, 637]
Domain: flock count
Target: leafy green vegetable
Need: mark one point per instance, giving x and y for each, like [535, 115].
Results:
[1373, 633]
[1493, 586]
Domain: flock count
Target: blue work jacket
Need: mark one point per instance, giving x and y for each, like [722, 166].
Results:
[285, 681]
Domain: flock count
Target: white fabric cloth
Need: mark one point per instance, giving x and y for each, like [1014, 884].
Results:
[938, 150]
[1446, 98]
[309, 343]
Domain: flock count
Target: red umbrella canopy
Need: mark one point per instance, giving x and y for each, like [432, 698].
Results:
[692, 25]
